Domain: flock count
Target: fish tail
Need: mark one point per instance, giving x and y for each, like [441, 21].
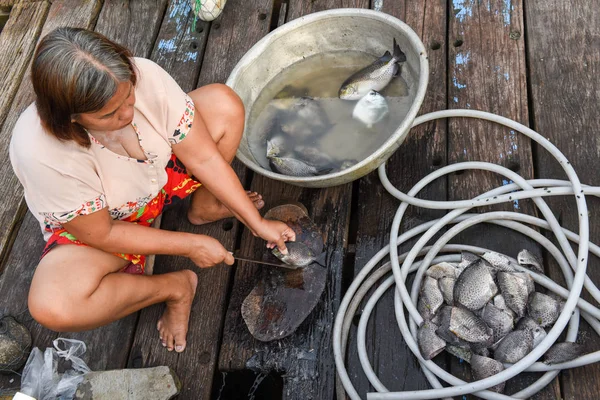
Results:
[322, 259]
[324, 171]
[399, 55]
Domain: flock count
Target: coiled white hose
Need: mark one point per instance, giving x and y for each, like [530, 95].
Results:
[402, 265]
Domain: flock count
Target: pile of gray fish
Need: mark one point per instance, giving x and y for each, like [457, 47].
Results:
[485, 312]
[301, 119]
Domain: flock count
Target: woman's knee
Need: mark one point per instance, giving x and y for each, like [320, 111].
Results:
[220, 101]
[51, 313]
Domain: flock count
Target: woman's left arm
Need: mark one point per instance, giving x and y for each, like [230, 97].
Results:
[199, 153]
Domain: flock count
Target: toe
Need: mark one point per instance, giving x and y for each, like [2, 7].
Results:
[179, 344]
[169, 342]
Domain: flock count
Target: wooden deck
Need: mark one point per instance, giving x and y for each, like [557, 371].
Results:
[534, 61]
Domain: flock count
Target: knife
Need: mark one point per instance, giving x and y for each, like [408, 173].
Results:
[280, 264]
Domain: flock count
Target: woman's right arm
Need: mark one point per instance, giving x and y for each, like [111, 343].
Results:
[99, 230]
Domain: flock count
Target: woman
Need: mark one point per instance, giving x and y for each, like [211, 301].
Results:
[110, 141]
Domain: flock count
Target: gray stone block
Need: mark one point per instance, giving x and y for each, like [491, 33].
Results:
[158, 383]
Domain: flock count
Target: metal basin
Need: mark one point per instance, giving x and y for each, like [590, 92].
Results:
[321, 32]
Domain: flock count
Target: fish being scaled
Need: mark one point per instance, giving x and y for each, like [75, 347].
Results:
[484, 367]
[528, 260]
[430, 344]
[563, 352]
[430, 298]
[299, 255]
[371, 109]
[375, 76]
[514, 346]
[543, 309]
[475, 286]
[515, 290]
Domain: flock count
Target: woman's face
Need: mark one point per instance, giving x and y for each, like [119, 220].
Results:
[115, 115]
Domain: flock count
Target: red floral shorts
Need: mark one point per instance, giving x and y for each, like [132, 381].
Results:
[179, 185]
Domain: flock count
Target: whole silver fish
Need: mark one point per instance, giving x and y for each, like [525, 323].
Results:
[475, 286]
[543, 309]
[467, 326]
[484, 367]
[371, 109]
[514, 346]
[528, 260]
[313, 155]
[515, 290]
[563, 352]
[293, 167]
[430, 344]
[446, 285]
[299, 255]
[307, 110]
[442, 270]
[430, 298]
[375, 76]
[500, 321]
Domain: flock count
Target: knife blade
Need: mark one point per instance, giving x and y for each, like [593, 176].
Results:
[281, 264]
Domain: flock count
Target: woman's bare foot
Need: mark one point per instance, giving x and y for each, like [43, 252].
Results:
[173, 324]
[206, 208]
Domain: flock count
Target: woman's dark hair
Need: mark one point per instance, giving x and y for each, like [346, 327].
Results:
[76, 71]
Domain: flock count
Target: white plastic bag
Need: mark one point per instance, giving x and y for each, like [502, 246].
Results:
[41, 378]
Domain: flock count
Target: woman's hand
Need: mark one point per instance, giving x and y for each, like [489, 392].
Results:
[276, 233]
[206, 251]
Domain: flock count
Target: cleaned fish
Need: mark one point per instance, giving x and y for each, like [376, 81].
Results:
[526, 323]
[375, 76]
[447, 288]
[500, 321]
[299, 255]
[430, 344]
[515, 290]
[499, 262]
[484, 367]
[461, 352]
[543, 309]
[441, 270]
[480, 350]
[467, 258]
[443, 318]
[538, 335]
[529, 260]
[500, 302]
[563, 352]
[467, 326]
[430, 298]
[514, 346]
[475, 286]
[371, 109]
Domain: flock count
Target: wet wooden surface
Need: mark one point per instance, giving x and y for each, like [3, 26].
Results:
[533, 61]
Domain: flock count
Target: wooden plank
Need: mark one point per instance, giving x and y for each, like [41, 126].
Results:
[305, 358]
[180, 51]
[424, 150]
[132, 23]
[563, 65]
[17, 41]
[487, 72]
[62, 13]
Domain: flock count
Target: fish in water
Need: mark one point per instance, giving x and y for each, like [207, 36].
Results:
[475, 286]
[528, 260]
[514, 346]
[515, 290]
[290, 165]
[299, 255]
[306, 110]
[371, 109]
[543, 309]
[430, 298]
[313, 155]
[375, 76]
[563, 352]
[484, 367]
[501, 322]
[430, 344]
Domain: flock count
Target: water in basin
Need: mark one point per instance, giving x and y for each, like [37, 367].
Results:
[300, 111]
